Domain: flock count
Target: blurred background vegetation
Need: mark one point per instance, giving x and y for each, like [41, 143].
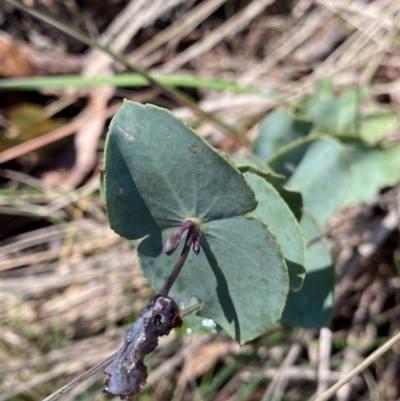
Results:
[69, 286]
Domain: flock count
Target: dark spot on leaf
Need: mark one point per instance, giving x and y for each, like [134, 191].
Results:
[194, 149]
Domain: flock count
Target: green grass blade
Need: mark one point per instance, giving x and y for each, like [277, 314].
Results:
[181, 97]
[125, 80]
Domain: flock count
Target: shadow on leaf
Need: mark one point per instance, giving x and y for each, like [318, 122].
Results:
[222, 289]
[311, 307]
[296, 271]
[122, 197]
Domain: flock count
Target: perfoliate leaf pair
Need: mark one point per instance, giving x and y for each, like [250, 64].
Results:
[159, 174]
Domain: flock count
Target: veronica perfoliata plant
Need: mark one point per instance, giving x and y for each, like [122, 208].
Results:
[245, 256]
[159, 175]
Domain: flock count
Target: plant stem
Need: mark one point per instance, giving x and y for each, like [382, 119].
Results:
[191, 235]
[96, 368]
[191, 309]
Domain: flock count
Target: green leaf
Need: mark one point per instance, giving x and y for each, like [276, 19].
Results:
[163, 173]
[373, 168]
[159, 173]
[312, 305]
[127, 212]
[336, 114]
[285, 160]
[253, 162]
[291, 197]
[316, 107]
[321, 173]
[275, 212]
[240, 275]
[377, 124]
[278, 129]
[322, 177]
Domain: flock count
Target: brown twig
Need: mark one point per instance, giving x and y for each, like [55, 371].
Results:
[84, 376]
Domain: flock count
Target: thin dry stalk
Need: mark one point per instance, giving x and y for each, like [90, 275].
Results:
[62, 369]
[355, 44]
[137, 14]
[287, 44]
[175, 32]
[84, 376]
[366, 250]
[298, 373]
[278, 384]
[226, 30]
[325, 347]
[358, 369]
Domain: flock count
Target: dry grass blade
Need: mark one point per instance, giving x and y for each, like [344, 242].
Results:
[80, 379]
[137, 14]
[278, 384]
[363, 365]
[226, 30]
[294, 38]
[21, 177]
[39, 142]
[86, 141]
[324, 360]
[51, 137]
[197, 363]
[84, 376]
[67, 368]
[366, 250]
[171, 363]
[351, 51]
[69, 286]
[33, 238]
[178, 30]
